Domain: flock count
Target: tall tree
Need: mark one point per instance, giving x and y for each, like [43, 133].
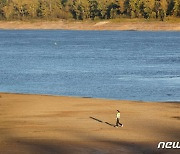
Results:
[176, 9]
[102, 7]
[113, 9]
[148, 9]
[20, 8]
[170, 7]
[32, 7]
[122, 6]
[8, 11]
[94, 9]
[163, 9]
[135, 8]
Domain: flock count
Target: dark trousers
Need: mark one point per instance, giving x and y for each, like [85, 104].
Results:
[117, 122]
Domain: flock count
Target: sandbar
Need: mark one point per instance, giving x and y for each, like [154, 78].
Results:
[58, 124]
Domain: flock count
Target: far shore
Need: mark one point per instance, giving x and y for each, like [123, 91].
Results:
[58, 124]
[93, 25]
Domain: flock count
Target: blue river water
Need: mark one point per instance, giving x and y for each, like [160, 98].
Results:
[126, 65]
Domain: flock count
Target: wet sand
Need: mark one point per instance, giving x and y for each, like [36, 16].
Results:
[55, 124]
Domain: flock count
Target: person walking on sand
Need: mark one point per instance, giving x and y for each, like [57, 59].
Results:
[118, 119]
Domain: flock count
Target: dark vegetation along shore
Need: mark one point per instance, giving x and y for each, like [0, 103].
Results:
[88, 9]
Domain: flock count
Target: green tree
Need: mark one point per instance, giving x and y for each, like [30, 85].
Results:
[2, 4]
[127, 9]
[157, 7]
[170, 7]
[148, 9]
[85, 13]
[113, 9]
[163, 9]
[73, 7]
[135, 8]
[56, 9]
[94, 9]
[44, 9]
[20, 8]
[8, 11]
[176, 9]
[5, 8]
[32, 7]
[102, 7]
[122, 6]
[79, 9]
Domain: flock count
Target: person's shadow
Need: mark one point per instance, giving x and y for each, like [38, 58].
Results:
[102, 121]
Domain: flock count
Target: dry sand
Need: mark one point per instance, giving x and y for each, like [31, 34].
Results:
[87, 25]
[35, 124]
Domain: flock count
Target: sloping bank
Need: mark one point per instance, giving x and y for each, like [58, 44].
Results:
[88, 25]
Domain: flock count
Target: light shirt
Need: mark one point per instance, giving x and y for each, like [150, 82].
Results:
[118, 115]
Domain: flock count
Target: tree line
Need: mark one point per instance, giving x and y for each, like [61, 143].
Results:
[88, 9]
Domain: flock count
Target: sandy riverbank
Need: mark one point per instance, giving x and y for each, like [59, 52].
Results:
[53, 124]
[102, 25]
